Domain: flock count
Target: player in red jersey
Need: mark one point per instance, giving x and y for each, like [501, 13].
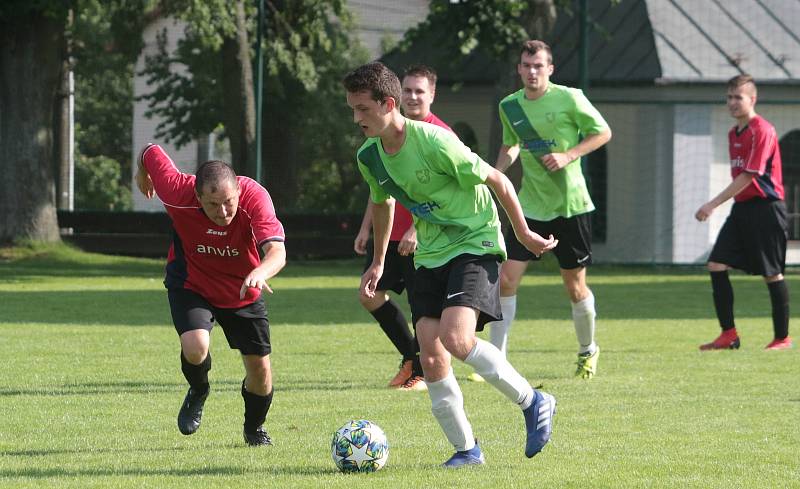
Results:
[227, 244]
[754, 236]
[419, 90]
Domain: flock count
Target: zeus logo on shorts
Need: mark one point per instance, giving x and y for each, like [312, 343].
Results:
[213, 250]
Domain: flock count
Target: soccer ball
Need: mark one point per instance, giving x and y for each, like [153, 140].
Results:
[359, 446]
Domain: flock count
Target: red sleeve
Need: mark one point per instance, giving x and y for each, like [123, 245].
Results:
[172, 187]
[760, 149]
[256, 202]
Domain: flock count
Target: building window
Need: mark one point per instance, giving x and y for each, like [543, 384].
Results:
[596, 170]
[790, 156]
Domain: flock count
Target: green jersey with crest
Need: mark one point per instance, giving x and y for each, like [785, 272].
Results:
[553, 123]
[436, 177]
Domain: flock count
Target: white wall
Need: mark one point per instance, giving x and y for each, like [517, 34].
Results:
[144, 129]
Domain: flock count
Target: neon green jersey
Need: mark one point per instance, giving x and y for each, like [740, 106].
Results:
[553, 123]
[440, 181]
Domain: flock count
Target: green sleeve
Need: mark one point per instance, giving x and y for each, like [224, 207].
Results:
[456, 159]
[376, 192]
[587, 117]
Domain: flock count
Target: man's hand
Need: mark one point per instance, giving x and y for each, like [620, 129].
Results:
[256, 279]
[369, 281]
[145, 183]
[408, 243]
[555, 161]
[704, 212]
[360, 243]
[537, 244]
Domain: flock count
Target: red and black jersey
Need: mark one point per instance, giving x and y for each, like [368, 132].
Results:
[402, 217]
[204, 257]
[754, 149]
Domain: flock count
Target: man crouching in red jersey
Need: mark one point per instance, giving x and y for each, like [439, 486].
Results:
[227, 243]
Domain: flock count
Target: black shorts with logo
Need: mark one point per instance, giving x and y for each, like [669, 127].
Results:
[398, 270]
[574, 235]
[466, 280]
[754, 237]
[245, 328]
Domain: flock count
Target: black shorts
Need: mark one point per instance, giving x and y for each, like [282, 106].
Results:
[574, 235]
[398, 270]
[246, 328]
[466, 280]
[754, 237]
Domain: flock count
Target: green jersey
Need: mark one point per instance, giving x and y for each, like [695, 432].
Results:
[553, 123]
[440, 181]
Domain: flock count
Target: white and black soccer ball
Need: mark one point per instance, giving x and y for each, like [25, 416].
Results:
[359, 446]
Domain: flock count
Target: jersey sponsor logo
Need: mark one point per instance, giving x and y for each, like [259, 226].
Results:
[536, 145]
[213, 250]
[737, 162]
[737, 145]
[424, 209]
[424, 176]
[381, 182]
[488, 244]
[217, 233]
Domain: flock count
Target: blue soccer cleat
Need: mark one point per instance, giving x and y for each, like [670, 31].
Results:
[473, 456]
[539, 422]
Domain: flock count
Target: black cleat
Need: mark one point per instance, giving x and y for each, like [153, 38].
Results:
[257, 438]
[191, 411]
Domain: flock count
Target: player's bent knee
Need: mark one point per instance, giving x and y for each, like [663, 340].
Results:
[195, 356]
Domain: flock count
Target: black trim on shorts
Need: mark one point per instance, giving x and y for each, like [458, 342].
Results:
[246, 328]
[754, 237]
[574, 235]
[398, 270]
[466, 280]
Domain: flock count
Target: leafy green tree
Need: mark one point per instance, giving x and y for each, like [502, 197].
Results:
[98, 185]
[494, 27]
[32, 40]
[307, 50]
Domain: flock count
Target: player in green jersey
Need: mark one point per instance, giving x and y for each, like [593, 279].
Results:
[459, 247]
[550, 127]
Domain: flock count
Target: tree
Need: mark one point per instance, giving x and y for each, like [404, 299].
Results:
[31, 46]
[495, 27]
[307, 50]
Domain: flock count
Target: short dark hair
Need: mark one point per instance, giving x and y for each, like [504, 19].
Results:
[533, 46]
[743, 79]
[375, 78]
[214, 173]
[422, 71]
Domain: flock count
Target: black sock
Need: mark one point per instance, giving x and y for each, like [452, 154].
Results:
[255, 408]
[196, 375]
[723, 299]
[779, 295]
[394, 324]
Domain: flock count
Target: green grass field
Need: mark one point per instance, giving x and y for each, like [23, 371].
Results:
[90, 385]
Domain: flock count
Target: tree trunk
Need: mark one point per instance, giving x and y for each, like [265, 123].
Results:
[240, 108]
[30, 66]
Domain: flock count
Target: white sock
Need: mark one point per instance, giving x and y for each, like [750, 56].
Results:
[490, 363]
[583, 314]
[447, 406]
[499, 330]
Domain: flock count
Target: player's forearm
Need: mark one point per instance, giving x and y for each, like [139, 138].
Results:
[504, 191]
[737, 185]
[381, 229]
[589, 143]
[506, 157]
[366, 221]
[274, 259]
